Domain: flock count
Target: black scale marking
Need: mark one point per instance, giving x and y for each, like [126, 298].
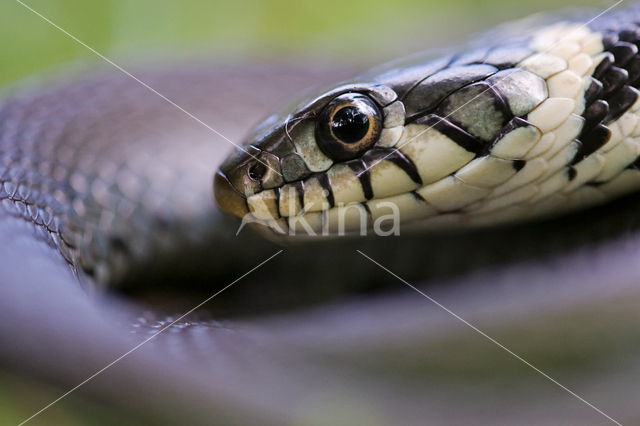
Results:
[362, 166]
[518, 164]
[369, 215]
[614, 82]
[276, 191]
[299, 188]
[362, 172]
[418, 196]
[396, 157]
[323, 178]
[611, 93]
[460, 136]
[635, 165]
[425, 101]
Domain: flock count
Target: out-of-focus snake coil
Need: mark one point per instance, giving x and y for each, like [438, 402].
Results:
[101, 174]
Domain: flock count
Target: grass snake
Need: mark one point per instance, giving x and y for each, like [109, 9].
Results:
[105, 184]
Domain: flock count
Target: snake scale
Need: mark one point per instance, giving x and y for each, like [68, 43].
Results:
[105, 184]
[533, 126]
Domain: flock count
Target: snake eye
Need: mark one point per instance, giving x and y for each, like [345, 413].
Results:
[348, 125]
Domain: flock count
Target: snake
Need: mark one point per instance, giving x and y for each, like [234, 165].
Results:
[523, 146]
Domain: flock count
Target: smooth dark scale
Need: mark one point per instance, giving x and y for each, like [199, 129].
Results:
[349, 124]
[440, 99]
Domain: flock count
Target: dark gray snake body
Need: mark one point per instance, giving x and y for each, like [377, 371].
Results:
[102, 171]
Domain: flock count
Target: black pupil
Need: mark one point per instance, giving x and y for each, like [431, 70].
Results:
[257, 171]
[350, 124]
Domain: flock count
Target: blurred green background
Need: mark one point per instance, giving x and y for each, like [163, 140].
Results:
[342, 30]
[129, 30]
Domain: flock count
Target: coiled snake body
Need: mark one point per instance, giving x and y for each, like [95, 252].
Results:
[119, 183]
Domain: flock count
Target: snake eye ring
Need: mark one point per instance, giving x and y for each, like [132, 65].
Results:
[348, 125]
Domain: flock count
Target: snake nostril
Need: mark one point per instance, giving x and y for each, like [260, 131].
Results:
[257, 171]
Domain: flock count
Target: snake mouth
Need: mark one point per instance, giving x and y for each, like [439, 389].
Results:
[227, 197]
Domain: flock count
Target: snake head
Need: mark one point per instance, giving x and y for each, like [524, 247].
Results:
[531, 127]
[313, 161]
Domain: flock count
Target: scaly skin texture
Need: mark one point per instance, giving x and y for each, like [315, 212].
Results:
[570, 309]
[118, 180]
[531, 126]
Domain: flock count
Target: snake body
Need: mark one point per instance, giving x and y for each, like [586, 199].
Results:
[536, 125]
[100, 175]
